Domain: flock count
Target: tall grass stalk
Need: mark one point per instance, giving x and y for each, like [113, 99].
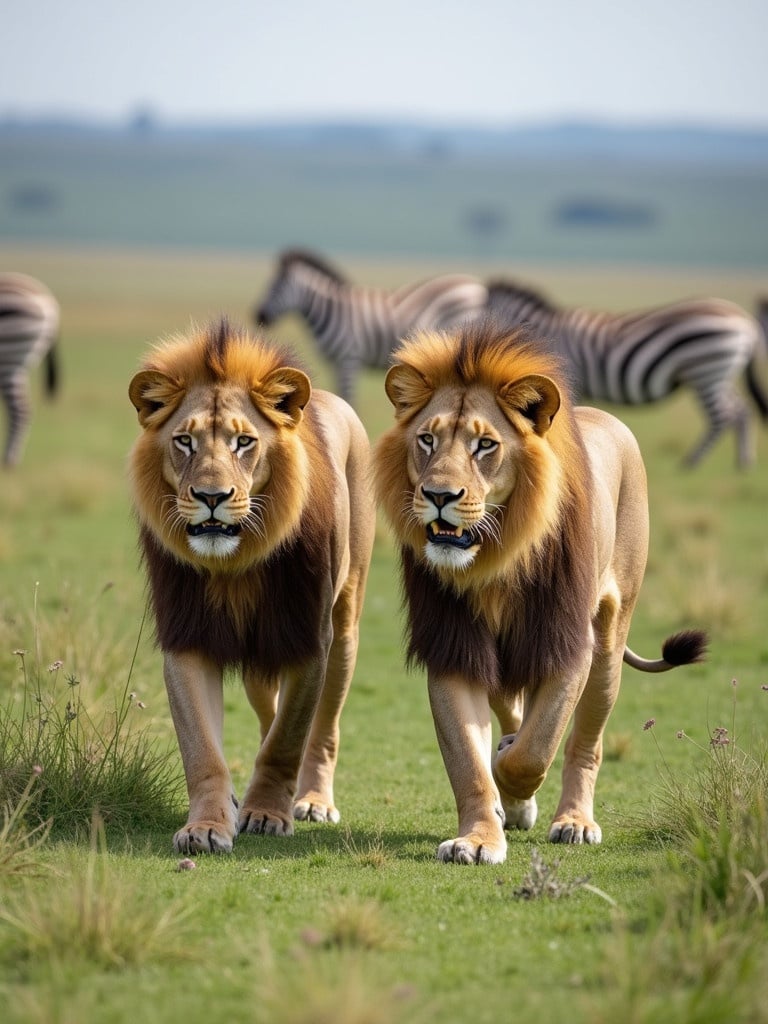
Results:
[716, 816]
[18, 839]
[84, 761]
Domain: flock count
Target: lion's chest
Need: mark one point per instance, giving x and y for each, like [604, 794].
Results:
[270, 618]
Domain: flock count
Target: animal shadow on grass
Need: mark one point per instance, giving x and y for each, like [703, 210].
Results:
[373, 846]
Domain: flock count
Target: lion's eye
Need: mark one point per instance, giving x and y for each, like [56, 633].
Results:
[184, 443]
[243, 442]
[485, 445]
[427, 441]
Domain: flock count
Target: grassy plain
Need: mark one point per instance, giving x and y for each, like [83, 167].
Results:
[355, 923]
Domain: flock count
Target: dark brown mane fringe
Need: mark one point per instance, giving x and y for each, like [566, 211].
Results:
[546, 630]
[218, 336]
[189, 617]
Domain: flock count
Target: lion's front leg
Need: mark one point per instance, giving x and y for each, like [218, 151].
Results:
[461, 713]
[194, 687]
[267, 806]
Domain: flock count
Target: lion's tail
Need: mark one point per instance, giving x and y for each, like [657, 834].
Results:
[684, 648]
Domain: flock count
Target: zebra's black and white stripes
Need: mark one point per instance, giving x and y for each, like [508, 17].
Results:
[703, 344]
[357, 327]
[29, 327]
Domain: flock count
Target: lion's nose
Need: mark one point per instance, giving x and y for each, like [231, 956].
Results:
[212, 498]
[442, 498]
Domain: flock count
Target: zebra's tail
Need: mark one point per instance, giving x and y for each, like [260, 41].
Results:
[684, 648]
[754, 385]
[52, 370]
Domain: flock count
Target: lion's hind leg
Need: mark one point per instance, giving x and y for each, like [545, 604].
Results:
[315, 798]
[574, 820]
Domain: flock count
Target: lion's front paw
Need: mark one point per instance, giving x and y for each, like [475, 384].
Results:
[257, 821]
[520, 813]
[472, 850]
[203, 837]
[570, 829]
[313, 808]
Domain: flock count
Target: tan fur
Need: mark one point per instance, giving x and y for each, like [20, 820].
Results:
[233, 433]
[537, 610]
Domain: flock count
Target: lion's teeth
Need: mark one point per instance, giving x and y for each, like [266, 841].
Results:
[434, 527]
[459, 531]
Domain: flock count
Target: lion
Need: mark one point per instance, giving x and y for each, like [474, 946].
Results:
[522, 525]
[256, 520]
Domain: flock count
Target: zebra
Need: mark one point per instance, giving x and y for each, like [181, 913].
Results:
[643, 356]
[29, 327]
[356, 327]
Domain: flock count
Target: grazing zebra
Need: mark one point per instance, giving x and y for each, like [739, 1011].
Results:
[634, 358]
[356, 327]
[29, 326]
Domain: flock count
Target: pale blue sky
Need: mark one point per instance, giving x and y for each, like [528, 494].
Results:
[495, 61]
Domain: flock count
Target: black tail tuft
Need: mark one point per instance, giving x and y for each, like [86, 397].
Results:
[685, 648]
[52, 371]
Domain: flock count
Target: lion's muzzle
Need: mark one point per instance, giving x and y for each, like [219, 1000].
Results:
[213, 527]
[441, 532]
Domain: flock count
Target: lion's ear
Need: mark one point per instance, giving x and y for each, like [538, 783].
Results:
[407, 390]
[155, 396]
[536, 397]
[282, 395]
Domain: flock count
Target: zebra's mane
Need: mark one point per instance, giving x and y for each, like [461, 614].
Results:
[310, 259]
[516, 292]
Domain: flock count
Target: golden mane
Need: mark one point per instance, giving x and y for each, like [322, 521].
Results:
[219, 354]
[528, 596]
[481, 353]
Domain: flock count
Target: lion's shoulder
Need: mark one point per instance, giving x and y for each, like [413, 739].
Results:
[614, 454]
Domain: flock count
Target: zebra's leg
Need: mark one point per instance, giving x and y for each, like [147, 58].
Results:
[723, 411]
[15, 394]
[347, 371]
[697, 454]
[745, 439]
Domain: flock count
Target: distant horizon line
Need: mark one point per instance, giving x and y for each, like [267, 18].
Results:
[154, 117]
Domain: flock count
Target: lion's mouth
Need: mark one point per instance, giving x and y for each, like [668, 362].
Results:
[441, 532]
[213, 528]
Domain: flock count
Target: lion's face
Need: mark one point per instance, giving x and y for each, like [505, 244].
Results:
[463, 461]
[219, 473]
[217, 463]
[468, 475]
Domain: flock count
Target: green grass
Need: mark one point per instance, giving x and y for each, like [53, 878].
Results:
[358, 924]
